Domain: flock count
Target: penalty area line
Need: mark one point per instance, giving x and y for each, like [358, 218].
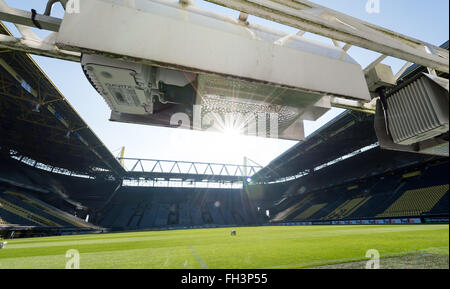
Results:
[199, 259]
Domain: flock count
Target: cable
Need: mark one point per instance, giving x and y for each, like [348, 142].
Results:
[33, 18]
[50, 3]
[382, 94]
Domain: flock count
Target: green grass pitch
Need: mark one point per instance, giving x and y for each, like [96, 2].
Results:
[251, 248]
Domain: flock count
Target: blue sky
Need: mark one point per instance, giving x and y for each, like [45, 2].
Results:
[425, 20]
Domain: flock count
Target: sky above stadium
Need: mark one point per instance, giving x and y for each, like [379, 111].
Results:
[421, 19]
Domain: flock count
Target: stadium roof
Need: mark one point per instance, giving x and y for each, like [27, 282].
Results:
[373, 162]
[38, 123]
[345, 134]
[414, 69]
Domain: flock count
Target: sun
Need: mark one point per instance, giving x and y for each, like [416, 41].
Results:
[232, 132]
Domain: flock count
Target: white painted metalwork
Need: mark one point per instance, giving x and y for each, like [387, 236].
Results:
[323, 21]
[211, 44]
[30, 42]
[301, 14]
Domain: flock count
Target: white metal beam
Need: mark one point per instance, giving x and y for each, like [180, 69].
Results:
[406, 39]
[304, 15]
[402, 70]
[36, 47]
[29, 42]
[374, 63]
[17, 16]
[367, 107]
[340, 27]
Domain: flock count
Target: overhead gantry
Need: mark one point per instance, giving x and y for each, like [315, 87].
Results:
[163, 62]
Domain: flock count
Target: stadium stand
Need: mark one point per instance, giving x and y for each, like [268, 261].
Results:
[395, 193]
[53, 213]
[28, 215]
[415, 202]
[284, 214]
[441, 208]
[184, 207]
[52, 179]
[347, 208]
[355, 188]
[306, 214]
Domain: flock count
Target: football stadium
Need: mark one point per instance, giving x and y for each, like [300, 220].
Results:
[367, 188]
